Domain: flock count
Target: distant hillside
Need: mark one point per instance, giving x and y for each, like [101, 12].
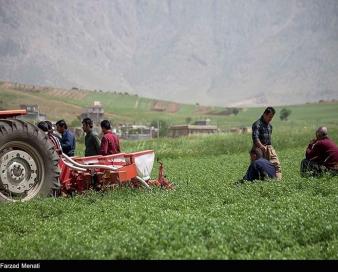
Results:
[121, 107]
[210, 52]
[126, 108]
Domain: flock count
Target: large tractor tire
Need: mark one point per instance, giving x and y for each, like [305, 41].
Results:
[28, 162]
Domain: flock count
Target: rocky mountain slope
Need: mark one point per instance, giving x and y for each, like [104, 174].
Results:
[212, 52]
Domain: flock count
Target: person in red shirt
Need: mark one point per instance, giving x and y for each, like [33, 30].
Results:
[321, 155]
[110, 143]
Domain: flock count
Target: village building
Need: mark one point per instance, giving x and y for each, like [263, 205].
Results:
[33, 113]
[241, 130]
[138, 132]
[95, 112]
[186, 130]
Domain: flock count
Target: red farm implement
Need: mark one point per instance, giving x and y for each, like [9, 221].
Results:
[79, 174]
[30, 166]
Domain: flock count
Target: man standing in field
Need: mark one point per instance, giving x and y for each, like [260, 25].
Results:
[92, 141]
[110, 142]
[261, 137]
[68, 138]
[321, 155]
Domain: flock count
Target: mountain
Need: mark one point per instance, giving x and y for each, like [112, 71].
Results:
[211, 52]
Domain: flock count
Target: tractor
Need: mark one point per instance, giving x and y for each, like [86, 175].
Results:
[30, 166]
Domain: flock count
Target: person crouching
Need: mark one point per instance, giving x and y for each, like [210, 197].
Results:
[259, 168]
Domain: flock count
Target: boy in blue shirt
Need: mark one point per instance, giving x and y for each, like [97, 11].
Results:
[259, 167]
[68, 138]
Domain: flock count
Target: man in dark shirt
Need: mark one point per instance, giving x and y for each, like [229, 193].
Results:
[110, 142]
[92, 141]
[261, 138]
[321, 155]
[67, 139]
[259, 168]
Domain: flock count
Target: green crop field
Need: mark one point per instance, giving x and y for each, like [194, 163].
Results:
[208, 216]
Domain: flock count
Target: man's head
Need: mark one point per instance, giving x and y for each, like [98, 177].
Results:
[43, 126]
[268, 114]
[50, 126]
[321, 133]
[87, 125]
[61, 126]
[255, 154]
[105, 125]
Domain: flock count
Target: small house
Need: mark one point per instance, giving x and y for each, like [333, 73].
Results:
[186, 130]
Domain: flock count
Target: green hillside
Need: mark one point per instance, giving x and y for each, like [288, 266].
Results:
[121, 107]
[125, 108]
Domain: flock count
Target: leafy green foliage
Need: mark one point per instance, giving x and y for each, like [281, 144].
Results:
[163, 125]
[208, 216]
[284, 114]
[188, 120]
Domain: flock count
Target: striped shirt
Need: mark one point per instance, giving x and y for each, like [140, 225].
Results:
[56, 143]
[261, 131]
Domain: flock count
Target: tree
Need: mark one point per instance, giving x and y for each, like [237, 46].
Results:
[162, 125]
[76, 122]
[188, 120]
[235, 111]
[284, 114]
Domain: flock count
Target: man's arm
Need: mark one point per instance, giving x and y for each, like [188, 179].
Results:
[312, 151]
[255, 137]
[118, 145]
[66, 143]
[97, 144]
[104, 146]
[258, 144]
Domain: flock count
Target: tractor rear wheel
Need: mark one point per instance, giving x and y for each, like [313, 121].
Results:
[28, 162]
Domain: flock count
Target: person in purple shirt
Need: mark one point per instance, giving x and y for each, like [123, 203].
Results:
[259, 168]
[321, 155]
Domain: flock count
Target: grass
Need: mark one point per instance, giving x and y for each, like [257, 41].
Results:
[207, 216]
